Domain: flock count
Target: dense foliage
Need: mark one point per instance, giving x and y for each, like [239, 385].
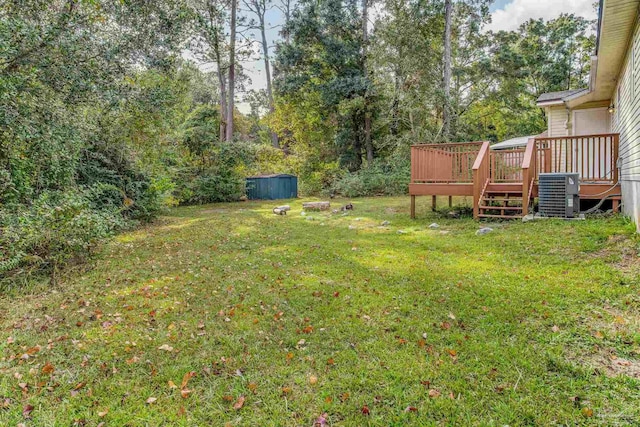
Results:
[103, 123]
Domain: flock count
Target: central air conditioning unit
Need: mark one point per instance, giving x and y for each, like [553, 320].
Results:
[559, 195]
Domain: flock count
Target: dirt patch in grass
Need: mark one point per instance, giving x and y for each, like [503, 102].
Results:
[605, 361]
[623, 252]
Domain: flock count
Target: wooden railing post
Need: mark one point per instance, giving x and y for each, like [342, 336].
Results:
[614, 157]
[480, 176]
[528, 173]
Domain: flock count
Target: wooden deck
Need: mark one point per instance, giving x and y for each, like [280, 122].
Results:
[504, 183]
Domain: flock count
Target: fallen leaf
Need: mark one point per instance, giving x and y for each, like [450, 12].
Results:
[185, 393]
[165, 347]
[587, 412]
[410, 409]
[555, 328]
[48, 368]
[103, 413]
[433, 393]
[151, 400]
[321, 421]
[26, 410]
[365, 410]
[186, 378]
[172, 384]
[313, 380]
[252, 387]
[239, 403]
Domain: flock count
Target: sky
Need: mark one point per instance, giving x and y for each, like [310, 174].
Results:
[505, 15]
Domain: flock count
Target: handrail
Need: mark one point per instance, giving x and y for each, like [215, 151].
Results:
[595, 135]
[448, 144]
[593, 157]
[481, 173]
[529, 171]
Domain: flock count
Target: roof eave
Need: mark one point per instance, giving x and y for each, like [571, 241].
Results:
[550, 103]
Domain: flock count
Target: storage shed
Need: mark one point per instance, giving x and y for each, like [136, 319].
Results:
[271, 187]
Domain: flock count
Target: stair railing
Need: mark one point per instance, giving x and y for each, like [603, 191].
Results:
[529, 174]
[481, 174]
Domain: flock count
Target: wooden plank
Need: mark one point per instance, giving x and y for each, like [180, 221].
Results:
[598, 191]
[413, 207]
[441, 189]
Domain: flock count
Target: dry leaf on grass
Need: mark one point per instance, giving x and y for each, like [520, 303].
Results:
[239, 403]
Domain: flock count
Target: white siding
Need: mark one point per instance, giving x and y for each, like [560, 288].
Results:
[626, 119]
[626, 122]
[558, 121]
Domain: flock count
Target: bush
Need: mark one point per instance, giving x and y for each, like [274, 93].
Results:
[381, 178]
[210, 187]
[220, 177]
[55, 229]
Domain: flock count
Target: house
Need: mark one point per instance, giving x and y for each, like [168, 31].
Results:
[611, 102]
[592, 131]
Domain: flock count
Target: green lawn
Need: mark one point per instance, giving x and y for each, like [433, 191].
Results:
[533, 324]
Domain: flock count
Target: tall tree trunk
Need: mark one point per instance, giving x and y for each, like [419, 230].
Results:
[395, 107]
[267, 67]
[223, 90]
[367, 108]
[286, 9]
[446, 78]
[232, 71]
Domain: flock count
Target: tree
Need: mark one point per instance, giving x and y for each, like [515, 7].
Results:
[367, 114]
[324, 55]
[259, 9]
[446, 75]
[232, 71]
[208, 44]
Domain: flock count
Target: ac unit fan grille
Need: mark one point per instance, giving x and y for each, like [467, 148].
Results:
[557, 195]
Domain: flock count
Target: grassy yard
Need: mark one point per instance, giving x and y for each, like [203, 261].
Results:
[229, 315]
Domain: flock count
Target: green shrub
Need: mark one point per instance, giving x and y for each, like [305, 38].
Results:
[55, 229]
[379, 179]
[211, 187]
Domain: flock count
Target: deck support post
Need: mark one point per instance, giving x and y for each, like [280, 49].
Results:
[413, 207]
[450, 201]
[433, 203]
[616, 205]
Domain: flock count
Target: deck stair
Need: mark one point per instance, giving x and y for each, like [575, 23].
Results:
[502, 201]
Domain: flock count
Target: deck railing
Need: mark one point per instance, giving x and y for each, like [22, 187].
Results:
[529, 173]
[443, 163]
[506, 165]
[481, 175]
[594, 157]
